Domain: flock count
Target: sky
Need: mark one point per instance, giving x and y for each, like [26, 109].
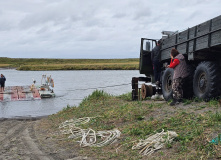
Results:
[94, 29]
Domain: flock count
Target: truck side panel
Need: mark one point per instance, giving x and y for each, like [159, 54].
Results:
[203, 28]
[216, 23]
[205, 37]
[202, 43]
[215, 38]
[165, 54]
[182, 48]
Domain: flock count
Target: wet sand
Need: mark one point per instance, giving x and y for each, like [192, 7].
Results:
[23, 138]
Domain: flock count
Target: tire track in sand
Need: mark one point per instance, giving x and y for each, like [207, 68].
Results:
[12, 131]
[16, 142]
[36, 153]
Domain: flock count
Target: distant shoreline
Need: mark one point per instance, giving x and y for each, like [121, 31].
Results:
[68, 64]
[22, 118]
[8, 68]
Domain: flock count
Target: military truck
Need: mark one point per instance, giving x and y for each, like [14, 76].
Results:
[201, 47]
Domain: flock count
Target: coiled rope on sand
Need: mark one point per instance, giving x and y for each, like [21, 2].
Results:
[89, 137]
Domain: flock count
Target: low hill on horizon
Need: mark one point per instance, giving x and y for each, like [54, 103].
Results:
[37, 64]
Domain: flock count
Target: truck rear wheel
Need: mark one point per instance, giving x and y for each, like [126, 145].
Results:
[206, 80]
[167, 81]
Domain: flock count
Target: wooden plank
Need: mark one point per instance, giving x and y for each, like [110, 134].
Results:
[203, 28]
[216, 23]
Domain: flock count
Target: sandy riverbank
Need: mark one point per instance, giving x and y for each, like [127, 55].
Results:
[24, 138]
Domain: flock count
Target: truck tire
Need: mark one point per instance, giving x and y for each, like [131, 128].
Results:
[206, 80]
[188, 83]
[167, 80]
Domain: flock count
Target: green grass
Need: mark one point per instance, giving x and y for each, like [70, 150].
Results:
[69, 64]
[138, 119]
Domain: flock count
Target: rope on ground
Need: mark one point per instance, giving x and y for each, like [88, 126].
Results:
[155, 142]
[89, 137]
[67, 125]
[101, 87]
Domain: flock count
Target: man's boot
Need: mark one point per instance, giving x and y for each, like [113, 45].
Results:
[157, 84]
[173, 103]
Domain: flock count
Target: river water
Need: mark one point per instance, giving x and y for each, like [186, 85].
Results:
[70, 88]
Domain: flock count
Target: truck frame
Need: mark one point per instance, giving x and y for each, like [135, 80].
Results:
[201, 47]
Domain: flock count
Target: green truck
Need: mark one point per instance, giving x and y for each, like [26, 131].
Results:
[201, 47]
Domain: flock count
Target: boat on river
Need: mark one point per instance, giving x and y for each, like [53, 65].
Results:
[46, 88]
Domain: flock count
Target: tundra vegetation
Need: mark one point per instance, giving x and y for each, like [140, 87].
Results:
[35, 64]
[196, 122]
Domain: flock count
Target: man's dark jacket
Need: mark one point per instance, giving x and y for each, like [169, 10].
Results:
[155, 54]
[2, 80]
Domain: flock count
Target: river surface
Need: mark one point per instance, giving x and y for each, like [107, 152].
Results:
[70, 88]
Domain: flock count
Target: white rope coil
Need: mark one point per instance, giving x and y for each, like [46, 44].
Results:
[75, 122]
[88, 137]
[155, 142]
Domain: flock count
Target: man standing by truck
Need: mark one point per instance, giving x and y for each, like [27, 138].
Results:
[155, 58]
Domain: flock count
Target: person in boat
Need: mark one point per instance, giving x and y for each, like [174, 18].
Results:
[2, 83]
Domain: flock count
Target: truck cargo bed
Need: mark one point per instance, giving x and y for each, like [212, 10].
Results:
[205, 37]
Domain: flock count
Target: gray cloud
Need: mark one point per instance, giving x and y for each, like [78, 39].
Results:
[93, 29]
[120, 15]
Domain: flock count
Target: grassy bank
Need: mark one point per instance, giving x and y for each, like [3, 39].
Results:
[69, 64]
[196, 123]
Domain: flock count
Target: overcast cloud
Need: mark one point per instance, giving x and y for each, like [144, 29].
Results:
[93, 28]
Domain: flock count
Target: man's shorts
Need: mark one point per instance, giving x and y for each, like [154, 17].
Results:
[2, 84]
